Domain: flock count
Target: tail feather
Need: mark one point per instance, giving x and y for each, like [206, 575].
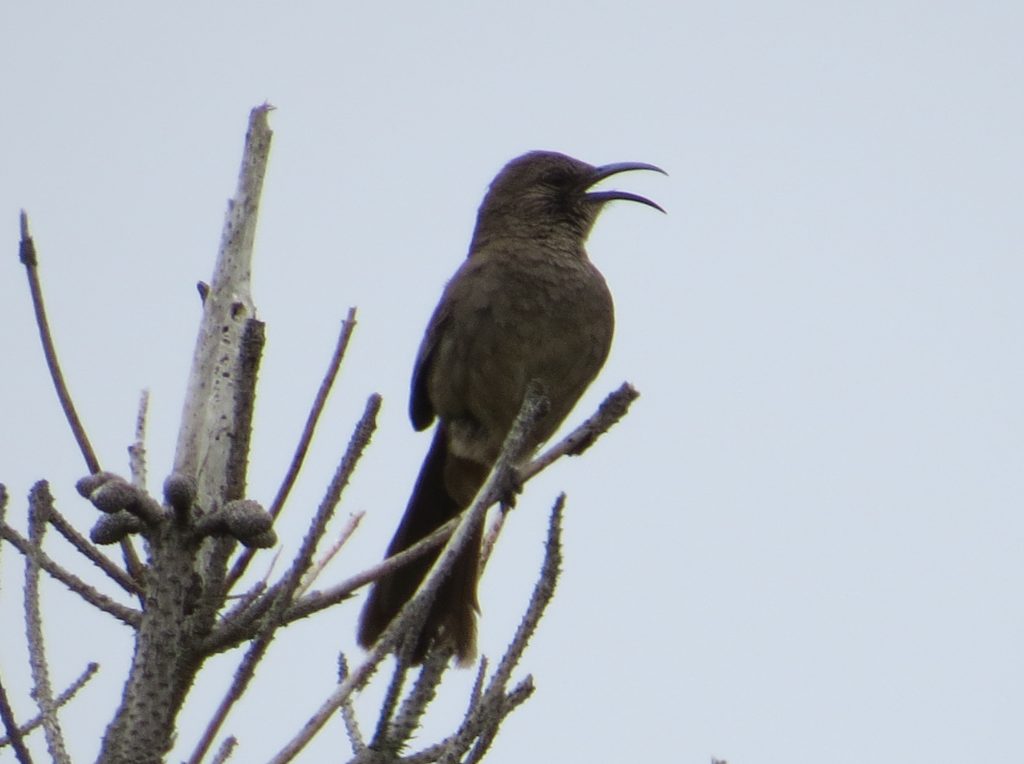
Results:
[454, 609]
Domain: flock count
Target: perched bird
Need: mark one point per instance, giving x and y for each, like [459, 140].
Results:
[526, 304]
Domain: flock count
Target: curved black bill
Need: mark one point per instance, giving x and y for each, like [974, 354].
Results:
[607, 170]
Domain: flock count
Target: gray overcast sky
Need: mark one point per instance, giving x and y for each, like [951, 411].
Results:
[806, 542]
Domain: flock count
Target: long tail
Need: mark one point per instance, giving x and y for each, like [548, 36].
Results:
[430, 506]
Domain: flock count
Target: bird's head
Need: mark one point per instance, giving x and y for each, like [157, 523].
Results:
[545, 194]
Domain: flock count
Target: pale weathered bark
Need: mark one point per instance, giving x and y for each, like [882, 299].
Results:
[213, 426]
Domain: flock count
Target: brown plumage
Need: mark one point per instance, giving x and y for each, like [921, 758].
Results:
[527, 304]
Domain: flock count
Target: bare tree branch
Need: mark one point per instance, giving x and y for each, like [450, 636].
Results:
[225, 750]
[488, 708]
[347, 326]
[317, 601]
[39, 504]
[490, 539]
[415, 609]
[343, 536]
[611, 410]
[249, 357]
[348, 712]
[381, 737]
[282, 594]
[100, 601]
[137, 450]
[61, 700]
[319, 402]
[94, 555]
[423, 692]
[519, 695]
[3, 519]
[542, 594]
[27, 254]
[137, 468]
[14, 735]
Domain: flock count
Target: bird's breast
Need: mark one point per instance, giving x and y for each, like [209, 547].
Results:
[535, 314]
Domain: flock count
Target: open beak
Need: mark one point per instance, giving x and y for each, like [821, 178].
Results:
[607, 170]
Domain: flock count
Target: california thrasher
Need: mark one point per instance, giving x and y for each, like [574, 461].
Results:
[526, 305]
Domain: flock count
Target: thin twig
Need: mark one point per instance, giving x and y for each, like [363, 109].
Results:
[341, 694]
[478, 684]
[478, 729]
[137, 450]
[243, 611]
[519, 695]
[27, 254]
[226, 749]
[250, 353]
[344, 535]
[407, 720]
[240, 625]
[3, 518]
[543, 591]
[611, 410]
[282, 595]
[245, 601]
[381, 738]
[14, 734]
[347, 326]
[40, 503]
[302, 447]
[490, 539]
[348, 712]
[61, 700]
[94, 555]
[240, 628]
[137, 466]
[345, 589]
[131, 560]
[487, 709]
[532, 405]
[70, 580]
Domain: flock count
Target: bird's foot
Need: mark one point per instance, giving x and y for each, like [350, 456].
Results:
[509, 487]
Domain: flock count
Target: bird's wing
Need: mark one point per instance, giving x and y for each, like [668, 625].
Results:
[421, 410]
